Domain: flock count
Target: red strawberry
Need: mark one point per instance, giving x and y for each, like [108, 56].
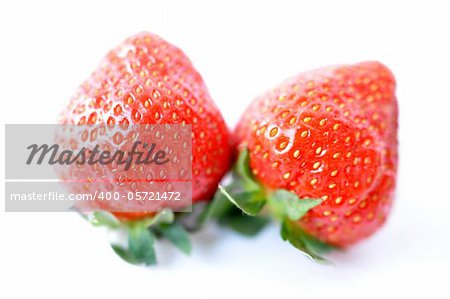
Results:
[329, 134]
[146, 80]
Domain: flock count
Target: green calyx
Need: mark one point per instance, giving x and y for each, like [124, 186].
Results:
[255, 203]
[142, 235]
[238, 205]
[243, 205]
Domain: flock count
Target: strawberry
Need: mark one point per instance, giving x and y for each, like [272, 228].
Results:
[146, 80]
[326, 139]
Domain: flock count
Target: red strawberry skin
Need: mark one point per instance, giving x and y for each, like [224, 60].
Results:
[146, 80]
[330, 133]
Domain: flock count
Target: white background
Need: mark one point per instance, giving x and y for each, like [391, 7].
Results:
[241, 49]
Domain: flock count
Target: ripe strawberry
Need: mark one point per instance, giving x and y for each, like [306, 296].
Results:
[328, 134]
[146, 80]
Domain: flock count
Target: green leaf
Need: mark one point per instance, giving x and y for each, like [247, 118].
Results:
[250, 202]
[286, 203]
[316, 245]
[141, 244]
[244, 224]
[125, 255]
[242, 169]
[217, 208]
[103, 218]
[292, 232]
[176, 234]
[165, 216]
